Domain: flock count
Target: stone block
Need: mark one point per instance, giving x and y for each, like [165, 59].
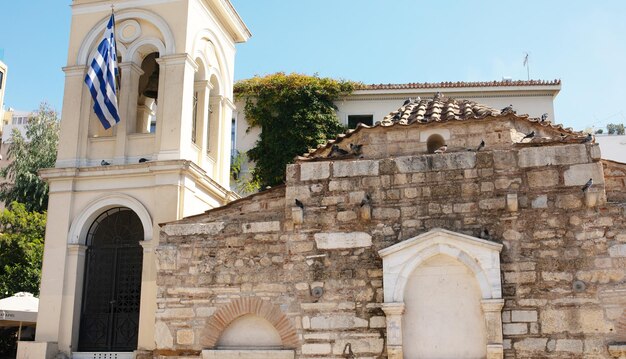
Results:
[568, 201]
[256, 227]
[453, 161]
[378, 322]
[163, 336]
[316, 349]
[359, 346]
[346, 216]
[540, 202]
[244, 354]
[386, 213]
[314, 171]
[618, 250]
[355, 168]
[552, 155]
[338, 322]
[504, 159]
[578, 175]
[464, 207]
[569, 345]
[184, 337]
[514, 328]
[544, 178]
[524, 315]
[575, 321]
[193, 228]
[170, 313]
[519, 277]
[492, 203]
[512, 203]
[557, 276]
[409, 164]
[531, 344]
[511, 235]
[338, 240]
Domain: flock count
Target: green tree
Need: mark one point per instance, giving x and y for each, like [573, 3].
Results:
[295, 112]
[21, 249]
[28, 155]
[614, 128]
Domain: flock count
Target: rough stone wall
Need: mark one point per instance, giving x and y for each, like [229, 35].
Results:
[615, 177]
[563, 262]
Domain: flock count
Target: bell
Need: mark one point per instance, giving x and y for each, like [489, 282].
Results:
[152, 88]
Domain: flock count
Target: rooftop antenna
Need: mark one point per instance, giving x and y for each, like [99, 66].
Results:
[527, 65]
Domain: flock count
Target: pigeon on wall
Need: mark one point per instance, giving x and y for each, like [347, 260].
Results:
[530, 135]
[481, 146]
[588, 185]
[104, 163]
[442, 149]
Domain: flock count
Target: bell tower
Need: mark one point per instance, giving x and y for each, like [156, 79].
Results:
[169, 157]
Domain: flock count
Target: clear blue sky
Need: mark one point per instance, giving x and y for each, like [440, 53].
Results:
[381, 41]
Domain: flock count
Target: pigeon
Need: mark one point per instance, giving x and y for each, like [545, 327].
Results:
[588, 185]
[104, 163]
[442, 149]
[484, 234]
[481, 146]
[544, 117]
[142, 160]
[588, 138]
[407, 101]
[336, 151]
[509, 108]
[366, 200]
[530, 135]
[299, 203]
[355, 149]
[397, 116]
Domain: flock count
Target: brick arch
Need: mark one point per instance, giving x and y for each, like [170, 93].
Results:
[222, 318]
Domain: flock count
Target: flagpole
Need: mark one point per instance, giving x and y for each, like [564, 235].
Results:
[118, 75]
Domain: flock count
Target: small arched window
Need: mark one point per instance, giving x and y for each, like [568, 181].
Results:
[434, 142]
[147, 99]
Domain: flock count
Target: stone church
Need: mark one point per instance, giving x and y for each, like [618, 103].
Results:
[449, 229]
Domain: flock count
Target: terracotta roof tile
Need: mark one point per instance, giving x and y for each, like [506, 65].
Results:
[439, 109]
[458, 84]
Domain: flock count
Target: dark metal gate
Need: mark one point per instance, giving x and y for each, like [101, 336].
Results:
[112, 289]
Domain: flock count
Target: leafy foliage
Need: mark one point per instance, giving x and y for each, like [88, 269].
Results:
[28, 155]
[295, 112]
[614, 128]
[21, 249]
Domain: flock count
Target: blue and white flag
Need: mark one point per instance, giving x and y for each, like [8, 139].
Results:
[101, 77]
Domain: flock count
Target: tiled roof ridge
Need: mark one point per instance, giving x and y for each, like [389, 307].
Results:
[458, 84]
[439, 109]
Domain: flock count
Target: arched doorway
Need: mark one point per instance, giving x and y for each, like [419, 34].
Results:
[112, 289]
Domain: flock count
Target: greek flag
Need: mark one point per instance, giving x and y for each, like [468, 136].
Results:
[101, 76]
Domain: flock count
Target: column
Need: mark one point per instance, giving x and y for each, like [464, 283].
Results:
[176, 74]
[74, 127]
[147, 310]
[203, 88]
[492, 309]
[226, 114]
[72, 292]
[394, 312]
[130, 74]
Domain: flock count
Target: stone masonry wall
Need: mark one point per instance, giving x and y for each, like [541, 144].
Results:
[563, 262]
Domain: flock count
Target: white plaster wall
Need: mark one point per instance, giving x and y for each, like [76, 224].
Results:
[250, 331]
[612, 147]
[443, 317]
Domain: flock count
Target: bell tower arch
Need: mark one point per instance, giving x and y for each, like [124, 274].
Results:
[176, 60]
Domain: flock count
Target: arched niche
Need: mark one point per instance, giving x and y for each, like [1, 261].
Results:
[250, 332]
[433, 253]
[253, 311]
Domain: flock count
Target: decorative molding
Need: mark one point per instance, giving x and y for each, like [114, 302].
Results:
[80, 225]
[86, 48]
